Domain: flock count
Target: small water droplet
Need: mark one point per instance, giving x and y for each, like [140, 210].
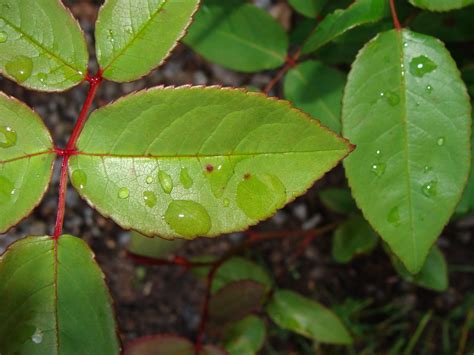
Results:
[150, 198]
[422, 65]
[378, 152]
[405, 44]
[8, 137]
[382, 94]
[378, 168]
[166, 182]
[20, 68]
[392, 98]
[429, 89]
[393, 216]
[149, 180]
[110, 36]
[185, 179]
[37, 336]
[123, 193]
[42, 77]
[429, 189]
[440, 141]
[188, 218]
[219, 176]
[3, 36]
[79, 179]
[7, 190]
[226, 202]
[427, 168]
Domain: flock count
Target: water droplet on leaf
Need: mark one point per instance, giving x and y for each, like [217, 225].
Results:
[37, 336]
[378, 168]
[188, 218]
[110, 36]
[7, 190]
[123, 193]
[8, 137]
[150, 198]
[3, 36]
[378, 152]
[20, 68]
[393, 216]
[392, 98]
[42, 77]
[166, 182]
[440, 141]
[185, 179]
[79, 179]
[422, 65]
[429, 189]
[429, 89]
[426, 168]
[226, 202]
[149, 180]
[219, 176]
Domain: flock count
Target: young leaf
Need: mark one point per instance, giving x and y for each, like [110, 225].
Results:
[41, 45]
[235, 300]
[152, 247]
[54, 300]
[441, 5]
[135, 36]
[309, 8]
[26, 161]
[165, 344]
[338, 200]
[433, 275]
[238, 36]
[407, 110]
[353, 237]
[317, 90]
[301, 315]
[340, 21]
[245, 337]
[191, 162]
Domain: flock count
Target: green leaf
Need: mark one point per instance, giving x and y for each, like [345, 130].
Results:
[165, 344]
[441, 5]
[191, 162]
[317, 90]
[135, 36]
[41, 45]
[238, 36]
[54, 300]
[433, 275]
[340, 21]
[301, 315]
[245, 337]
[466, 205]
[407, 110]
[353, 237]
[152, 247]
[26, 161]
[338, 200]
[236, 300]
[309, 8]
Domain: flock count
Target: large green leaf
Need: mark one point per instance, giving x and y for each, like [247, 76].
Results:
[238, 36]
[306, 317]
[407, 110]
[190, 162]
[441, 5]
[340, 21]
[135, 36]
[245, 337]
[41, 45]
[317, 90]
[26, 160]
[54, 300]
[310, 8]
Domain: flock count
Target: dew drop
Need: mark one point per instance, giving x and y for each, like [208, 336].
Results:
[405, 44]
[20, 68]
[226, 202]
[378, 152]
[3, 36]
[382, 94]
[42, 77]
[440, 141]
[188, 218]
[393, 216]
[427, 169]
[79, 179]
[260, 195]
[123, 193]
[185, 179]
[166, 182]
[149, 180]
[378, 168]
[219, 176]
[150, 198]
[422, 65]
[429, 189]
[110, 36]
[8, 137]
[392, 98]
[7, 190]
[37, 336]
[429, 89]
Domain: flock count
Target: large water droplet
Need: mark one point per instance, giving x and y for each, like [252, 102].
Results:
[150, 198]
[422, 65]
[378, 168]
[185, 179]
[37, 336]
[440, 141]
[20, 68]
[123, 193]
[79, 179]
[258, 196]
[3, 36]
[430, 188]
[219, 175]
[8, 137]
[188, 218]
[7, 190]
[393, 216]
[166, 182]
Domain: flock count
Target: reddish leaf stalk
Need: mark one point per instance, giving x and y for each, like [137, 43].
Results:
[71, 150]
[291, 62]
[396, 22]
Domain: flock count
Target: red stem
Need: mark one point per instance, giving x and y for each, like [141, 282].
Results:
[396, 22]
[291, 62]
[71, 150]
